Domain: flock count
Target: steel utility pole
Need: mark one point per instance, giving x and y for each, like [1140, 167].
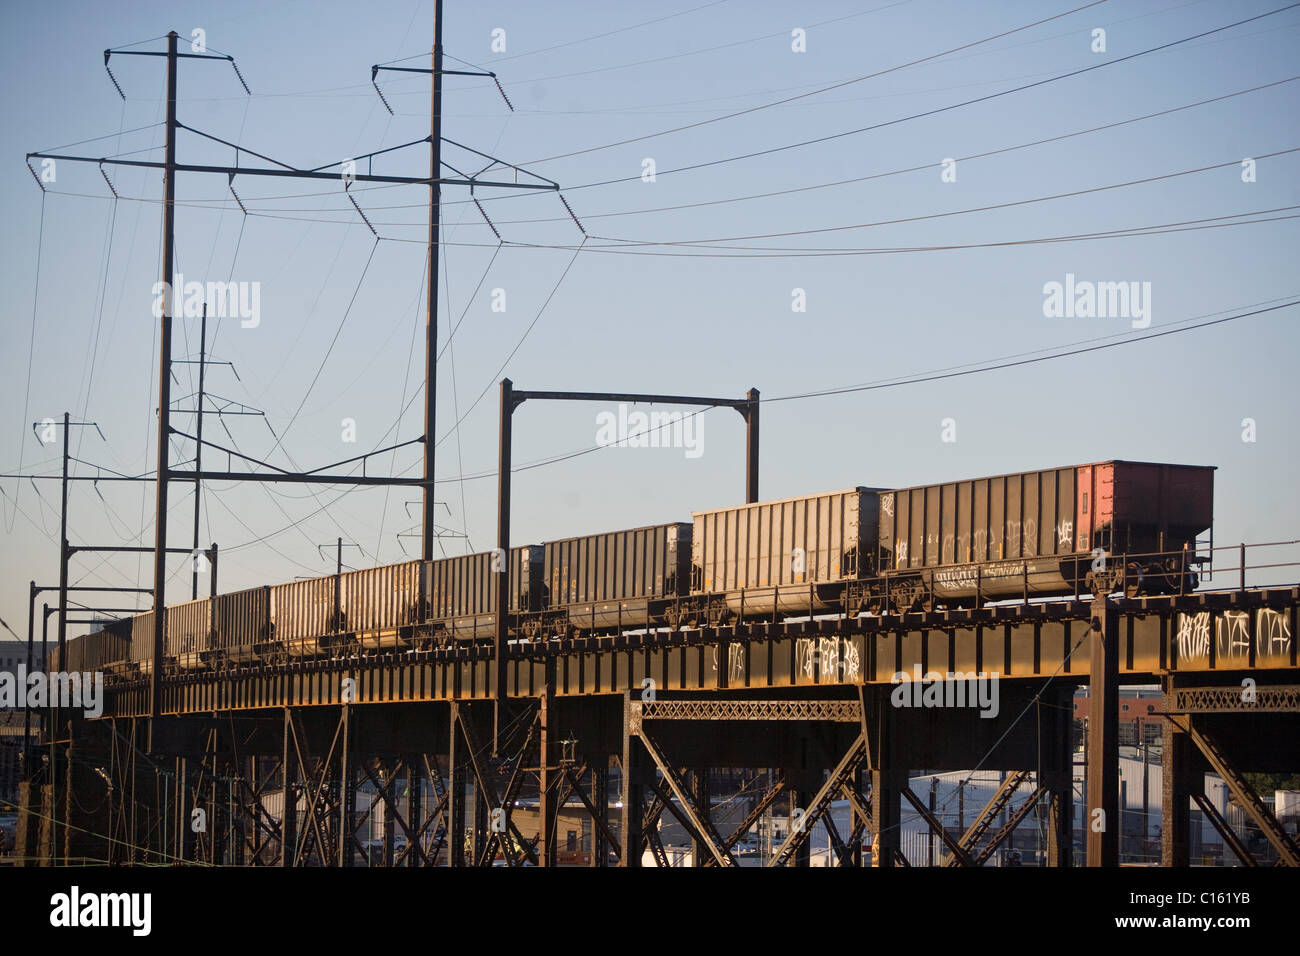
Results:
[63, 548]
[431, 311]
[164, 386]
[198, 457]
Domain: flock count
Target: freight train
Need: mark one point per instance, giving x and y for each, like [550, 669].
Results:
[1124, 526]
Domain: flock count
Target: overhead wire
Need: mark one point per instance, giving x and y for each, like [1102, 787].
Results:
[817, 92]
[712, 241]
[913, 116]
[31, 352]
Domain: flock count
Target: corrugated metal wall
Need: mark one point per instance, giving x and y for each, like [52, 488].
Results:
[142, 636]
[302, 608]
[383, 597]
[189, 627]
[984, 519]
[641, 562]
[466, 585]
[791, 541]
[243, 618]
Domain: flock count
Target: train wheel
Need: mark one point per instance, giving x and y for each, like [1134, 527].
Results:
[905, 595]
[1176, 578]
[1134, 581]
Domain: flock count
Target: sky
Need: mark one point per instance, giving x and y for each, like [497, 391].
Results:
[794, 198]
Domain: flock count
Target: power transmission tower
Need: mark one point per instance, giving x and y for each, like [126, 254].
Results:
[348, 173]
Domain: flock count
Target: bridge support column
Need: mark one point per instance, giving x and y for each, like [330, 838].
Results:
[1176, 787]
[457, 764]
[1102, 819]
[414, 807]
[888, 780]
[632, 792]
[600, 847]
[700, 790]
[1056, 773]
[547, 784]
[347, 821]
[798, 802]
[289, 807]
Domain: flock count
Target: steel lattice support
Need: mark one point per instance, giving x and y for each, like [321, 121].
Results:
[1287, 850]
[1224, 829]
[844, 775]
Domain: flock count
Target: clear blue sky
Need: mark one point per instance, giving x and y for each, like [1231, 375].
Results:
[583, 76]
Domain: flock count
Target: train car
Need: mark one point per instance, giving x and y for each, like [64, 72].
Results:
[188, 635]
[461, 592]
[789, 556]
[304, 618]
[1114, 525]
[243, 625]
[616, 580]
[376, 604]
[108, 650]
[142, 642]
[1045, 533]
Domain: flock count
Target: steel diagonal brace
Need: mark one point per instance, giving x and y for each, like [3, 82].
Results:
[650, 827]
[261, 818]
[837, 843]
[980, 826]
[597, 820]
[471, 738]
[841, 775]
[665, 799]
[316, 784]
[565, 786]
[1287, 851]
[385, 793]
[956, 849]
[1225, 829]
[488, 791]
[855, 838]
[657, 849]
[416, 844]
[851, 794]
[752, 817]
[699, 821]
[439, 810]
[513, 786]
[1006, 830]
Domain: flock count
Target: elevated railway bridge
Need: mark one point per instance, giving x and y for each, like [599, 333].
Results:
[817, 701]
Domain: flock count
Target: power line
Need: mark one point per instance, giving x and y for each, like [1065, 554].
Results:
[708, 243]
[743, 252]
[875, 126]
[825, 89]
[598, 36]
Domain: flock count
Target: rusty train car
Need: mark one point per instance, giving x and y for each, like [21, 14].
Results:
[1123, 526]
